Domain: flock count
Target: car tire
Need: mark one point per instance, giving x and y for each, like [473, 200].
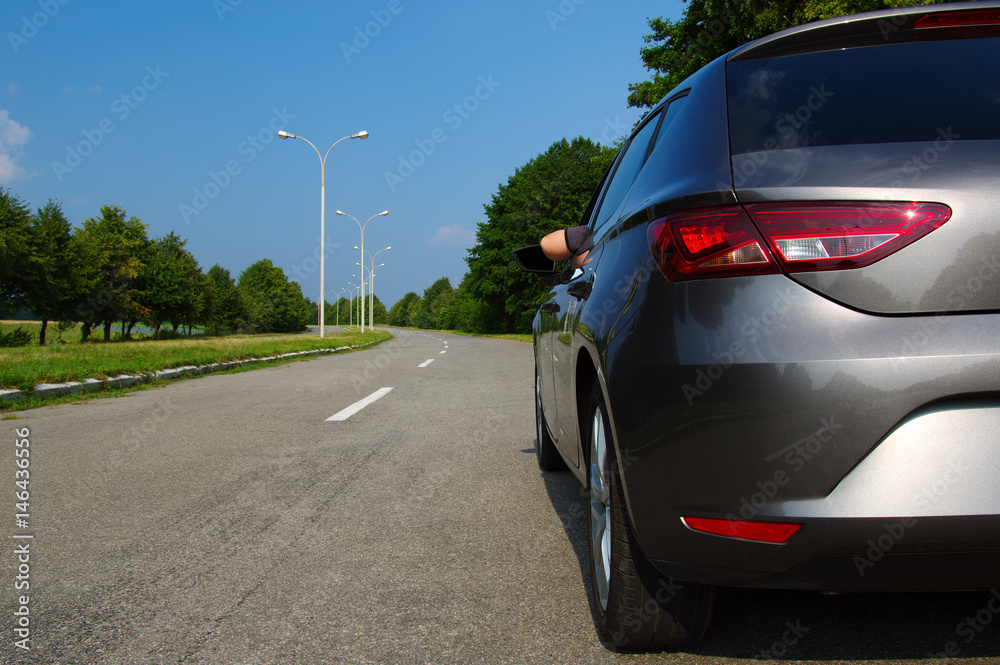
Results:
[546, 453]
[635, 606]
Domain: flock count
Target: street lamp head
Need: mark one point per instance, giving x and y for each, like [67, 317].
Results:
[383, 213]
[360, 135]
[356, 247]
[285, 135]
[339, 212]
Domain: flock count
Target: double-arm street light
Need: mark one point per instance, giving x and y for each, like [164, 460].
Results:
[371, 283]
[322, 217]
[362, 227]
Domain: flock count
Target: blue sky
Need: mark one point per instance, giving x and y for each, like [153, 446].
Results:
[169, 110]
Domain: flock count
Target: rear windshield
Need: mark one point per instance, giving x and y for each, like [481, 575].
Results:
[882, 94]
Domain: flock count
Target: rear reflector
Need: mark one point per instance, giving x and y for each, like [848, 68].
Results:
[764, 532]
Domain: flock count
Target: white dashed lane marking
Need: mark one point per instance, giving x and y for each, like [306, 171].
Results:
[357, 406]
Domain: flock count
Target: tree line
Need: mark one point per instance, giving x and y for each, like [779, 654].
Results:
[108, 270]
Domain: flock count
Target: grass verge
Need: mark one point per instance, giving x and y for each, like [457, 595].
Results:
[24, 367]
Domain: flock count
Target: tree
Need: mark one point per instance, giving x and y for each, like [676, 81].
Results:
[49, 267]
[431, 309]
[273, 303]
[173, 285]
[550, 192]
[710, 28]
[15, 233]
[224, 309]
[109, 252]
[399, 314]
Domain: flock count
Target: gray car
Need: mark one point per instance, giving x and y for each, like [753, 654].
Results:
[780, 366]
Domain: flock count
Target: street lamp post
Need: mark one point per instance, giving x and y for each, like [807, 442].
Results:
[371, 283]
[338, 305]
[362, 227]
[354, 289]
[322, 217]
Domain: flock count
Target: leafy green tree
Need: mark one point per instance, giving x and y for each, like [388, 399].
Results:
[466, 312]
[549, 192]
[430, 308]
[15, 247]
[380, 314]
[710, 28]
[273, 303]
[399, 314]
[49, 266]
[173, 285]
[224, 308]
[109, 252]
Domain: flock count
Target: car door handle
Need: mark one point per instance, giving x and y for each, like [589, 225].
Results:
[580, 289]
[549, 308]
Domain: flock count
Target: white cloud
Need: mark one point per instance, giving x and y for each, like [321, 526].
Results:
[453, 235]
[12, 137]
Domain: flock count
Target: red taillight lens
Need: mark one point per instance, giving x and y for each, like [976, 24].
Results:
[839, 236]
[790, 237]
[763, 532]
[708, 242]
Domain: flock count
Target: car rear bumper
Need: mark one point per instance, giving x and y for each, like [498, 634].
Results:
[878, 434]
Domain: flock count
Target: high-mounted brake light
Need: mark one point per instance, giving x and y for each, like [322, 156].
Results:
[952, 25]
[762, 532]
[838, 236]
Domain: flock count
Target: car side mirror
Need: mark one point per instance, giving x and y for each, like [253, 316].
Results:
[532, 259]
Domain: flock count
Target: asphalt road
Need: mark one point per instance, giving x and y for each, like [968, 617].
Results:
[224, 519]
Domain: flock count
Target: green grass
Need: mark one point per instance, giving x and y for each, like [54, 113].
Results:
[23, 367]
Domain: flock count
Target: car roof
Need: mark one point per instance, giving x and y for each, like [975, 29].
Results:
[875, 28]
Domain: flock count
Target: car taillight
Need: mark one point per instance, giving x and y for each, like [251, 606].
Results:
[763, 532]
[767, 238]
[708, 242]
[839, 236]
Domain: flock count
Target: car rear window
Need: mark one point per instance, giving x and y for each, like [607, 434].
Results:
[880, 94]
